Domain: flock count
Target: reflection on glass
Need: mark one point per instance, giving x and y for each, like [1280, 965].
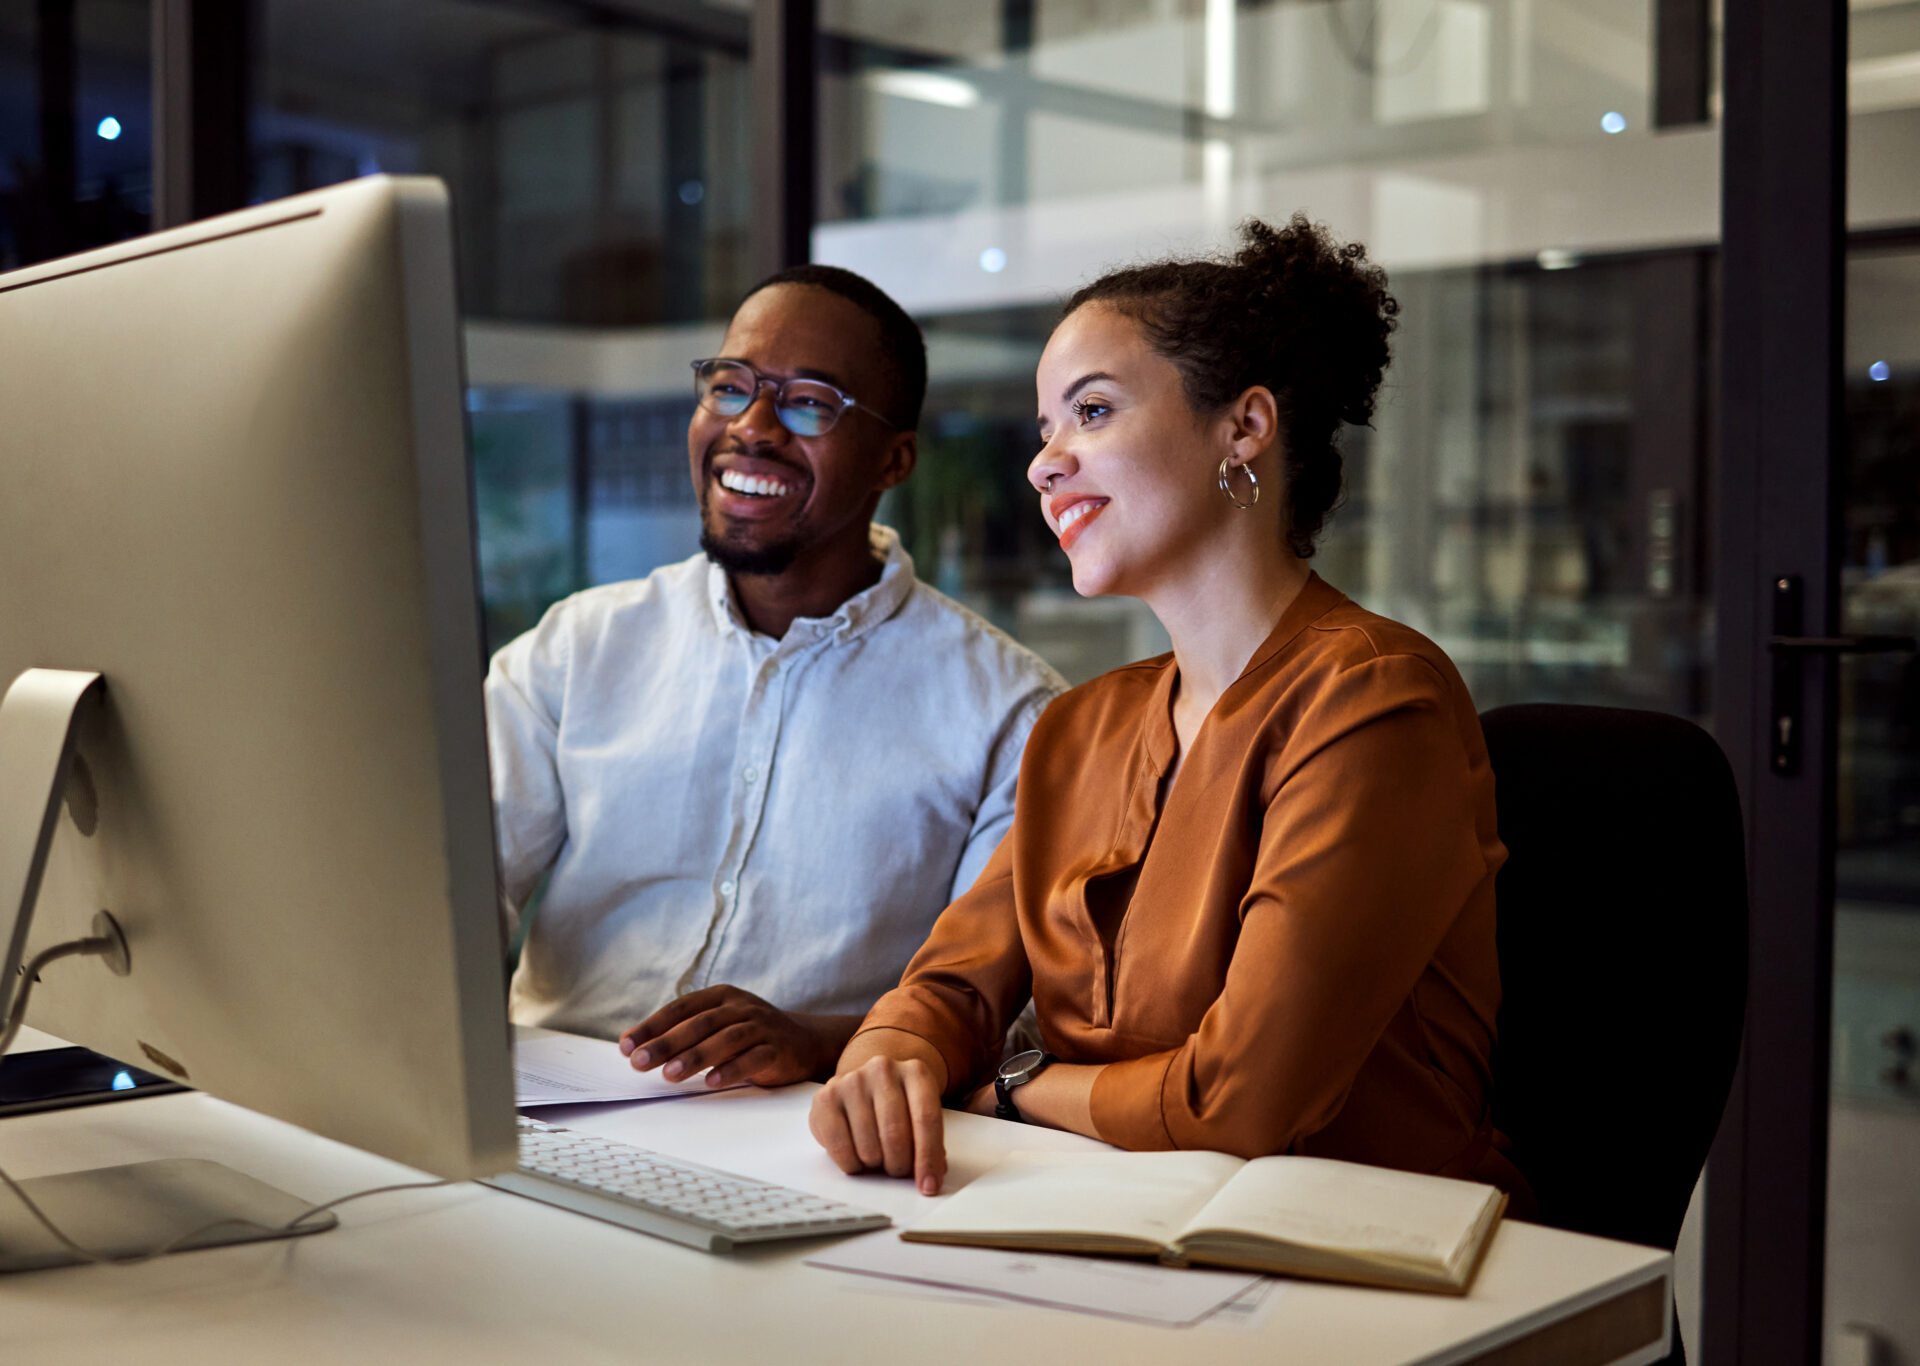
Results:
[87, 179]
[1533, 490]
[598, 165]
[1874, 1161]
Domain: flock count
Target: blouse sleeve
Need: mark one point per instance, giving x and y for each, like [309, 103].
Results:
[968, 980]
[1367, 853]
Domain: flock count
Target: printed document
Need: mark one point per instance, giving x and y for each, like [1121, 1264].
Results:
[566, 1069]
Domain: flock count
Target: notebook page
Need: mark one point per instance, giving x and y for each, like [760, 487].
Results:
[1346, 1207]
[1124, 1195]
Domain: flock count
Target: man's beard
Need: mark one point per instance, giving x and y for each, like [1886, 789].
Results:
[763, 559]
[775, 557]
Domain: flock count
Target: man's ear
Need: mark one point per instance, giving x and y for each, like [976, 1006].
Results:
[902, 454]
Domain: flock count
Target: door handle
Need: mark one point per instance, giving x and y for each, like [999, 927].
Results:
[1789, 649]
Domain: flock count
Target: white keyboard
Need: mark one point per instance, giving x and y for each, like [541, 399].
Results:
[651, 1193]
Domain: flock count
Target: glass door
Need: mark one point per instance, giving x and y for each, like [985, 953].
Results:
[1873, 1183]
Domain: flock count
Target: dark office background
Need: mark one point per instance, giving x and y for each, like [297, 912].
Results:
[1538, 492]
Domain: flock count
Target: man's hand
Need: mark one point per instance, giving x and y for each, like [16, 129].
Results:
[884, 1113]
[739, 1036]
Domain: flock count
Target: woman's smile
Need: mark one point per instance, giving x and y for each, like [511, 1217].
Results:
[1072, 512]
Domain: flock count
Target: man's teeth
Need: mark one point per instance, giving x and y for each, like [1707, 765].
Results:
[751, 485]
[1077, 511]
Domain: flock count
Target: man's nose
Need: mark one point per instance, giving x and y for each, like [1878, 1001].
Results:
[759, 422]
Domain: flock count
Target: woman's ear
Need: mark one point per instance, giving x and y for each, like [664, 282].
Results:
[1254, 424]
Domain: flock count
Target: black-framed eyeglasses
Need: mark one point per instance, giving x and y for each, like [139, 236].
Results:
[805, 407]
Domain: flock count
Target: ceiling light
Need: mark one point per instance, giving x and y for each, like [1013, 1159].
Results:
[929, 87]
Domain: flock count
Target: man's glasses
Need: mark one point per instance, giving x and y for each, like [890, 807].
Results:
[805, 407]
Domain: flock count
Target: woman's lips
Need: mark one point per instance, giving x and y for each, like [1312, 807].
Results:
[1074, 518]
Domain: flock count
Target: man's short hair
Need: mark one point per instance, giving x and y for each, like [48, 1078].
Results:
[903, 350]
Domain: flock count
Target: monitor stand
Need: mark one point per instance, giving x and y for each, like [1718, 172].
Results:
[112, 1212]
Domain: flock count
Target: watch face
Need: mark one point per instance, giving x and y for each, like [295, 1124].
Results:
[1019, 1065]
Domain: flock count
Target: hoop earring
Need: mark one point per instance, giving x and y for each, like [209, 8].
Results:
[1226, 485]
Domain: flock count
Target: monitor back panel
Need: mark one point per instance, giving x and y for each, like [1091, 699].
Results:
[236, 485]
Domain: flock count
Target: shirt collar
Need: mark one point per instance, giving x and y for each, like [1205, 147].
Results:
[854, 617]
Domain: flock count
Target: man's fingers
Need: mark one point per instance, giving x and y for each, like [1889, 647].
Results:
[929, 1134]
[670, 1046]
[895, 1129]
[760, 1064]
[671, 1014]
[725, 1043]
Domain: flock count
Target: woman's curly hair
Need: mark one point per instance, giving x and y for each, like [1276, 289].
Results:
[1293, 310]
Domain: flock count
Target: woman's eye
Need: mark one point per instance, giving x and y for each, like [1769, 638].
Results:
[1087, 409]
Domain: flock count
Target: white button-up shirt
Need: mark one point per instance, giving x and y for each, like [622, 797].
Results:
[787, 816]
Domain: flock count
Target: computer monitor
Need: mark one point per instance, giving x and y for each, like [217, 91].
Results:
[234, 483]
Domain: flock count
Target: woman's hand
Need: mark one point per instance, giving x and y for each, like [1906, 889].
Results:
[883, 1112]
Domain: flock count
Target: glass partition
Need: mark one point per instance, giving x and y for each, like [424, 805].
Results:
[1533, 492]
[599, 168]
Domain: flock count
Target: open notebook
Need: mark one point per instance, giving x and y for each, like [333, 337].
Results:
[1296, 1216]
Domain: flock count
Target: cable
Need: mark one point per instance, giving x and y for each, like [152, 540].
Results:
[106, 945]
[289, 1229]
[97, 945]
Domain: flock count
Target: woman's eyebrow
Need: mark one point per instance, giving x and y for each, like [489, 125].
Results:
[1094, 378]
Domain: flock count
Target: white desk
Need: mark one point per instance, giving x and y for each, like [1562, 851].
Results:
[469, 1275]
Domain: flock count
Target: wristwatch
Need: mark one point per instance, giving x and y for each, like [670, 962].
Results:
[1018, 1070]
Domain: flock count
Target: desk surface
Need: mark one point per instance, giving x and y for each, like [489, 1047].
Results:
[469, 1275]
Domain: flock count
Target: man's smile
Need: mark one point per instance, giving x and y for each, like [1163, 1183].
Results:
[752, 487]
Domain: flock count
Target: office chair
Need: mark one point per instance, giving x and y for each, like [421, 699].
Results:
[1623, 961]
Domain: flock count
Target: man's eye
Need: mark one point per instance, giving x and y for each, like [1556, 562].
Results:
[808, 401]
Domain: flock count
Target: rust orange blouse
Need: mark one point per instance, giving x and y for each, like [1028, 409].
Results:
[1291, 950]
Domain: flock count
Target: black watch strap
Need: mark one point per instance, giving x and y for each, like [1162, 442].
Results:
[1004, 1108]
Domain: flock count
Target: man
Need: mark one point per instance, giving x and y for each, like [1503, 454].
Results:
[758, 775]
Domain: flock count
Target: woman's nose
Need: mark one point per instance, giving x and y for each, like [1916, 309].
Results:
[1051, 464]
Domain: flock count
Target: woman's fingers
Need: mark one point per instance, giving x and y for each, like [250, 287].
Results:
[828, 1120]
[929, 1133]
[894, 1126]
[884, 1114]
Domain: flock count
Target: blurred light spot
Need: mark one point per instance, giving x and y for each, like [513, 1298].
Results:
[993, 260]
[692, 192]
[929, 87]
[123, 1081]
[1879, 370]
[1557, 258]
[109, 128]
[1613, 121]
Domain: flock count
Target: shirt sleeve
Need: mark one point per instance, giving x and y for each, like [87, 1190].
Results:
[994, 816]
[968, 980]
[525, 689]
[1367, 853]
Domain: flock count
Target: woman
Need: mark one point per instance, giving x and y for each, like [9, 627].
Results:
[1249, 885]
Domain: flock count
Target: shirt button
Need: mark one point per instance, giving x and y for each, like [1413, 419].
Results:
[750, 774]
[726, 888]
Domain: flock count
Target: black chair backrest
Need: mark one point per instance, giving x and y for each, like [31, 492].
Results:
[1623, 943]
